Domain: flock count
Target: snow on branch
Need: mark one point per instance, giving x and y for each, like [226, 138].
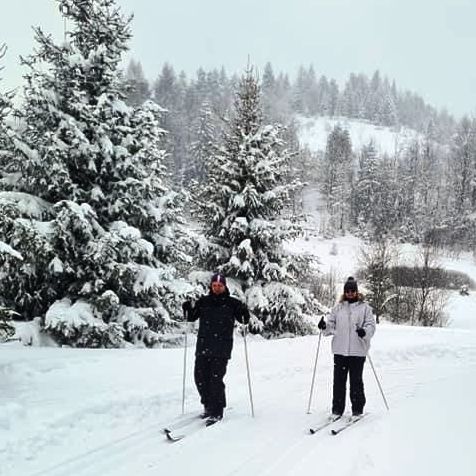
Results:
[6, 249]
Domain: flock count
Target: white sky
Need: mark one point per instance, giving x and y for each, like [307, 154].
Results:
[426, 45]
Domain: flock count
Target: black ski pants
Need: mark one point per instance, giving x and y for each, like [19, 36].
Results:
[209, 374]
[353, 366]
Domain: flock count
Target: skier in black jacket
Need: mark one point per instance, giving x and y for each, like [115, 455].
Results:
[217, 313]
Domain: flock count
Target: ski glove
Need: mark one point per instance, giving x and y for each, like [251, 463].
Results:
[360, 332]
[187, 307]
[322, 324]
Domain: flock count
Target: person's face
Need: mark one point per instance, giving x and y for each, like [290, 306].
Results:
[217, 287]
[350, 294]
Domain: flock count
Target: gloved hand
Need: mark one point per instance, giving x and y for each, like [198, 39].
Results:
[187, 307]
[360, 332]
[322, 324]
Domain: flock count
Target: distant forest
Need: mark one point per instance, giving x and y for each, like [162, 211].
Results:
[210, 93]
[425, 192]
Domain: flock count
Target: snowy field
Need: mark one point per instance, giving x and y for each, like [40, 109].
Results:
[313, 133]
[70, 412]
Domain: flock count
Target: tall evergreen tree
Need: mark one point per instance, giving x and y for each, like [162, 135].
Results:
[268, 86]
[312, 92]
[6, 328]
[100, 241]
[408, 172]
[242, 209]
[299, 91]
[203, 145]
[366, 191]
[165, 88]
[323, 96]
[5, 109]
[337, 181]
[225, 97]
[165, 92]
[429, 207]
[464, 181]
[138, 90]
[333, 97]
[282, 105]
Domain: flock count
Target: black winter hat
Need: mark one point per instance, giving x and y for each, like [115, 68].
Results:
[219, 278]
[350, 284]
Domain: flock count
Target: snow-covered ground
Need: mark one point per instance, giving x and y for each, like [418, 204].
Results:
[78, 412]
[313, 133]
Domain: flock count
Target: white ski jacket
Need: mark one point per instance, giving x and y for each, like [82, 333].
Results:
[343, 322]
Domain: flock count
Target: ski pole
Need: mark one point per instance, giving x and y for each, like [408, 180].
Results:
[314, 373]
[248, 373]
[378, 382]
[184, 362]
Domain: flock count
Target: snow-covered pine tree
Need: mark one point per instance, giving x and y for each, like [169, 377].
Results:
[242, 209]
[165, 93]
[408, 173]
[138, 90]
[337, 177]
[6, 329]
[311, 97]
[203, 144]
[223, 100]
[429, 205]
[333, 97]
[348, 104]
[366, 193]
[374, 104]
[323, 99]
[299, 91]
[5, 109]
[165, 87]
[91, 220]
[389, 115]
[282, 106]
[387, 219]
[5, 99]
[268, 87]
[462, 221]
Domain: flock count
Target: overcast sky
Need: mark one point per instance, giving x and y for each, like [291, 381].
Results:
[428, 46]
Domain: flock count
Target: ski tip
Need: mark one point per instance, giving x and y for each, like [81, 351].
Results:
[334, 432]
[172, 438]
[312, 431]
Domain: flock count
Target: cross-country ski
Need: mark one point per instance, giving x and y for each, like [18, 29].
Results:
[347, 424]
[314, 429]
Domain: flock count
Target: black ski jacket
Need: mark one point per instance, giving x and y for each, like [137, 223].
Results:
[217, 314]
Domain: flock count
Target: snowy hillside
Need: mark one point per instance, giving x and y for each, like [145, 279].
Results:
[313, 132]
[69, 412]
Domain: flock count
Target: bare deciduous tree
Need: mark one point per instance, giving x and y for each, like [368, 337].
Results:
[377, 260]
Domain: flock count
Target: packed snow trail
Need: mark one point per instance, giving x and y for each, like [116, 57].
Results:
[77, 413]
[88, 412]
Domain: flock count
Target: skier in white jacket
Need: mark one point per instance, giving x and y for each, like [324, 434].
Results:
[352, 324]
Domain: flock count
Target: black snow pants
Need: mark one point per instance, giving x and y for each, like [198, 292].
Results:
[353, 366]
[209, 374]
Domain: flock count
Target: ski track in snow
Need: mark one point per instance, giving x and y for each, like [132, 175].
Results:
[408, 360]
[100, 412]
